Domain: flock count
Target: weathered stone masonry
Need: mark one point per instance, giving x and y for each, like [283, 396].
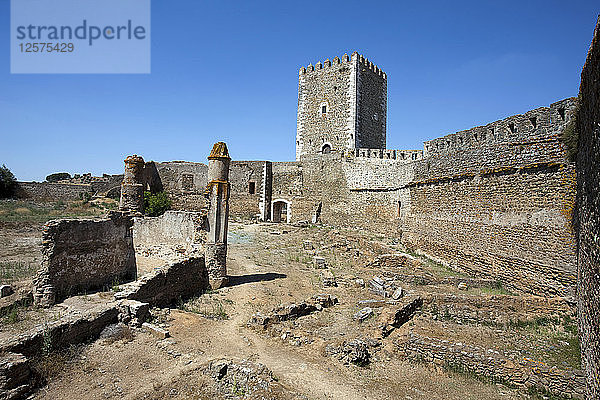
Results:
[217, 193]
[83, 254]
[498, 200]
[588, 216]
[494, 200]
[341, 104]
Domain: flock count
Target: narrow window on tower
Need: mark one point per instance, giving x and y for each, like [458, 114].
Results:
[251, 187]
[323, 109]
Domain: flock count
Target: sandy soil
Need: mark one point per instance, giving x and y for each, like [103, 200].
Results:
[268, 267]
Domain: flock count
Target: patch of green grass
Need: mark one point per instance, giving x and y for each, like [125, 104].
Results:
[558, 332]
[440, 269]
[115, 287]
[11, 316]
[238, 390]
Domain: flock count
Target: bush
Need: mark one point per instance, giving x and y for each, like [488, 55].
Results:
[58, 176]
[156, 204]
[85, 197]
[8, 182]
[570, 136]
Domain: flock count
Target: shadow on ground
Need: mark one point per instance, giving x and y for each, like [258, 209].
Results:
[252, 278]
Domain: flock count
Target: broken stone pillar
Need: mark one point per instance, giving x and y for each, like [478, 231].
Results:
[217, 193]
[132, 188]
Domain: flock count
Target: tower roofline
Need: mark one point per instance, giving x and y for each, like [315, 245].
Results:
[345, 59]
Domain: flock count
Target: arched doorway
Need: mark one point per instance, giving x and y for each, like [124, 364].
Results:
[281, 211]
[326, 149]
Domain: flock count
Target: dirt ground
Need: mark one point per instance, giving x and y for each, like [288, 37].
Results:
[270, 265]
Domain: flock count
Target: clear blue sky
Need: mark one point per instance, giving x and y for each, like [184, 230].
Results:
[228, 71]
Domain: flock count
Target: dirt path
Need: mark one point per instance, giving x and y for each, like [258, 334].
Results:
[305, 374]
[266, 269]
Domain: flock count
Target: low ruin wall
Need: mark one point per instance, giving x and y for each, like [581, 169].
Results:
[173, 228]
[84, 254]
[166, 285]
[46, 191]
[494, 365]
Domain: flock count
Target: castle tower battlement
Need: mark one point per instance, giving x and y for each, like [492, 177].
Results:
[345, 59]
[342, 105]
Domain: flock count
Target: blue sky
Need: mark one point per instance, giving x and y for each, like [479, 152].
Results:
[228, 71]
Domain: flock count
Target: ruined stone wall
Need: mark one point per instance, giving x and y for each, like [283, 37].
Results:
[168, 284]
[100, 184]
[247, 185]
[371, 105]
[351, 191]
[46, 191]
[82, 254]
[184, 182]
[103, 185]
[499, 205]
[588, 218]
[173, 228]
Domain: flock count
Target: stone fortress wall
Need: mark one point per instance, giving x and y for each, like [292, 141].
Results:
[494, 200]
[498, 201]
[71, 189]
[588, 216]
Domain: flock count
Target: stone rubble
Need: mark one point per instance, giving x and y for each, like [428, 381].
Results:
[6, 290]
[15, 376]
[363, 314]
[293, 310]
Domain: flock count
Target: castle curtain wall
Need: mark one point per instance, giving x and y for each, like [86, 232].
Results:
[497, 201]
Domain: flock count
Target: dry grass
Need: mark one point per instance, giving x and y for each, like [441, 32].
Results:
[24, 212]
[13, 271]
[53, 363]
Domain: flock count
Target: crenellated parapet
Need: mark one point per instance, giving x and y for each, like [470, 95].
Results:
[387, 154]
[542, 125]
[355, 58]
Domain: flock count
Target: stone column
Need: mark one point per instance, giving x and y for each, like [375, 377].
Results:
[217, 193]
[132, 188]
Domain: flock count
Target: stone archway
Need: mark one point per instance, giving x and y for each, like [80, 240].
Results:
[281, 211]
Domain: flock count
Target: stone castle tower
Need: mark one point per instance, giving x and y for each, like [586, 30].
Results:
[342, 105]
